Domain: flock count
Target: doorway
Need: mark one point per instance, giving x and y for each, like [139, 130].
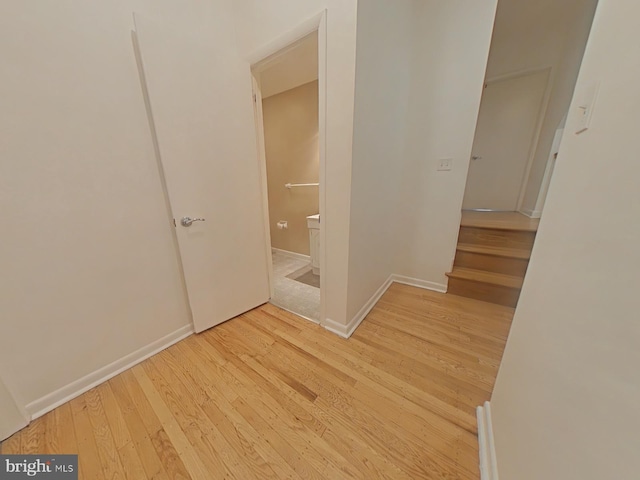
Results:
[287, 110]
[509, 122]
[534, 60]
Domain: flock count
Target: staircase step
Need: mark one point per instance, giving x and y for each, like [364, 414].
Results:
[499, 221]
[492, 237]
[507, 265]
[493, 278]
[522, 254]
[486, 286]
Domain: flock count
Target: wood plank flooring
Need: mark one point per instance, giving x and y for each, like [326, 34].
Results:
[499, 220]
[269, 395]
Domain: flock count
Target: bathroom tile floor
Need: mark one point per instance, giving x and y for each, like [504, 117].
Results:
[292, 295]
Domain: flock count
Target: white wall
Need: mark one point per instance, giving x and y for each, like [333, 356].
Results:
[565, 405]
[450, 50]
[89, 269]
[533, 35]
[12, 418]
[260, 22]
[383, 59]
[298, 66]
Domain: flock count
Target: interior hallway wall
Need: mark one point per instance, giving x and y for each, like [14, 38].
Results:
[291, 145]
[89, 268]
[450, 49]
[383, 66]
[565, 404]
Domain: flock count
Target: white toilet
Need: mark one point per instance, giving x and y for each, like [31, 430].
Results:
[313, 223]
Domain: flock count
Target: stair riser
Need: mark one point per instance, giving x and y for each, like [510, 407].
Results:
[491, 263]
[496, 238]
[484, 291]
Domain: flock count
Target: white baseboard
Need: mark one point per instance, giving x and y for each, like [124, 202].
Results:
[531, 213]
[345, 331]
[488, 462]
[287, 253]
[416, 282]
[54, 399]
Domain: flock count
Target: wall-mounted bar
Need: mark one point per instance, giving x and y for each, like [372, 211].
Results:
[291, 185]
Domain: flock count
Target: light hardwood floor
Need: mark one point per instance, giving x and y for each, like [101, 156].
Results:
[269, 395]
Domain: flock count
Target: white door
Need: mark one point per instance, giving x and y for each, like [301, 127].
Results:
[201, 102]
[505, 133]
[11, 418]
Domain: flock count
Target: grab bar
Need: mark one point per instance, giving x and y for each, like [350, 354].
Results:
[291, 185]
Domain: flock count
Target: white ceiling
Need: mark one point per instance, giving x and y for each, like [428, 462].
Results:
[295, 66]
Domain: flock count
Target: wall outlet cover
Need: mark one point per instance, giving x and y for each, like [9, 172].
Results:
[445, 164]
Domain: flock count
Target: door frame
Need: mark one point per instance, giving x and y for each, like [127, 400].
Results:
[542, 113]
[259, 60]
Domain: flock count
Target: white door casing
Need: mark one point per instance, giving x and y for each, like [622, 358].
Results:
[508, 126]
[199, 91]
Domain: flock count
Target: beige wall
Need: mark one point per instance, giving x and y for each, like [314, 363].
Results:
[12, 418]
[420, 70]
[382, 97]
[89, 268]
[565, 405]
[533, 35]
[451, 46]
[291, 145]
[263, 22]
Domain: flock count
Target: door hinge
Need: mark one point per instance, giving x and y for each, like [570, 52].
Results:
[255, 98]
[174, 223]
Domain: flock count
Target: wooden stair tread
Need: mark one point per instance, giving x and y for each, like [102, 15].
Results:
[499, 221]
[495, 251]
[483, 276]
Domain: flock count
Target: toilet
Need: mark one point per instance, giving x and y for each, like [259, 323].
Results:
[313, 223]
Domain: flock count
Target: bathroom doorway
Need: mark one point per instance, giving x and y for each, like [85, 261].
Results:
[287, 106]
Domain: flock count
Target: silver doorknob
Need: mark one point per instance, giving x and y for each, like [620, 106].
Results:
[187, 221]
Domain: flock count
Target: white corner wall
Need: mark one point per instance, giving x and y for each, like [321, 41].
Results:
[258, 24]
[89, 269]
[450, 49]
[383, 60]
[565, 405]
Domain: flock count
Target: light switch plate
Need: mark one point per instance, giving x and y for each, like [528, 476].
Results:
[585, 106]
[445, 164]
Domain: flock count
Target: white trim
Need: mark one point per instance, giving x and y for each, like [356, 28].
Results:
[287, 253]
[54, 399]
[15, 417]
[262, 160]
[416, 282]
[533, 148]
[530, 213]
[261, 57]
[517, 73]
[486, 444]
[345, 331]
[549, 168]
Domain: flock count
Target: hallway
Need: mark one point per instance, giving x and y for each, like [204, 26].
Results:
[268, 395]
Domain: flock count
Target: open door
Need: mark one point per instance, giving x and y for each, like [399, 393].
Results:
[199, 93]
